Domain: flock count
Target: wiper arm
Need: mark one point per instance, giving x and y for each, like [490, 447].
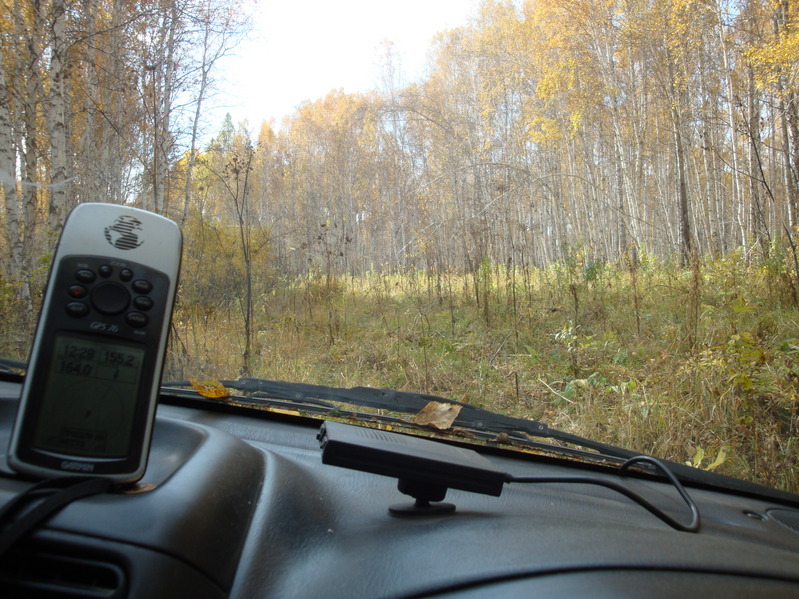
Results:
[12, 370]
[487, 423]
[470, 417]
[407, 402]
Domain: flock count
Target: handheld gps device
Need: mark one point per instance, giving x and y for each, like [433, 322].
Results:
[88, 401]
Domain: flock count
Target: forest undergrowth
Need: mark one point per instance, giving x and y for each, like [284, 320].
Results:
[699, 365]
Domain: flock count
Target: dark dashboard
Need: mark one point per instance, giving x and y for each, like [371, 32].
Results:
[234, 505]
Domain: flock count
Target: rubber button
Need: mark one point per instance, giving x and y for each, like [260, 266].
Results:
[110, 298]
[125, 274]
[84, 275]
[105, 271]
[136, 319]
[77, 309]
[77, 291]
[142, 286]
[142, 302]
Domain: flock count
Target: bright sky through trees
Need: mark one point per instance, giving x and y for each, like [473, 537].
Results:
[301, 50]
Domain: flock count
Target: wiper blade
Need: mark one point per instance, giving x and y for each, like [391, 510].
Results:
[12, 370]
[469, 417]
[315, 399]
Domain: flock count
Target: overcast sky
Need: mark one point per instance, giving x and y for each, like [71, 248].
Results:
[302, 49]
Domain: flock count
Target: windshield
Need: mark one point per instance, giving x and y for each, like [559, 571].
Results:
[577, 213]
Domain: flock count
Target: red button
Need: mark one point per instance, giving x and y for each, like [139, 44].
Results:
[77, 291]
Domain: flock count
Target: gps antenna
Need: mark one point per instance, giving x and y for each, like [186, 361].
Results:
[425, 469]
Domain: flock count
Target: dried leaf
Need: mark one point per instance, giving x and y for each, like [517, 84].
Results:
[437, 414]
[212, 389]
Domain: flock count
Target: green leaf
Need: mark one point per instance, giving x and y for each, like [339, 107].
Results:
[739, 306]
[742, 381]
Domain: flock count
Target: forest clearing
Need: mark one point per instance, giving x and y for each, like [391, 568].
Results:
[697, 365]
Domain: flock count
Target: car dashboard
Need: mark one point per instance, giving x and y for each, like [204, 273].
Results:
[240, 505]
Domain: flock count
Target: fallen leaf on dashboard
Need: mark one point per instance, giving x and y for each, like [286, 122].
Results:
[438, 414]
[212, 389]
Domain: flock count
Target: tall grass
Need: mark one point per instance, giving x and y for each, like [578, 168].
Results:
[680, 363]
[688, 364]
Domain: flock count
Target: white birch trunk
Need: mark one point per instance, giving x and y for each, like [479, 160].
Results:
[56, 120]
[8, 179]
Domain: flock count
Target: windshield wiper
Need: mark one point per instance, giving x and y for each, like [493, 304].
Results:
[483, 424]
[317, 398]
[469, 418]
[320, 400]
[12, 370]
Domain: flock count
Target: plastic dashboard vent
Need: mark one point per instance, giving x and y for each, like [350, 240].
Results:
[35, 574]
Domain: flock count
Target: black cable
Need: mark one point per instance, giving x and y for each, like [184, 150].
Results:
[16, 522]
[693, 526]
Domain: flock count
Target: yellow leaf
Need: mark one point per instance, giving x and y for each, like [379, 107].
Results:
[437, 414]
[698, 456]
[722, 455]
[212, 389]
[282, 411]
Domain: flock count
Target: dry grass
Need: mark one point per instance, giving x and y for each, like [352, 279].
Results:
[669, 361]
[647, 356]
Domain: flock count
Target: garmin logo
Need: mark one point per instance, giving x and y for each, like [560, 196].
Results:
[77, 466]
[125, 233]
